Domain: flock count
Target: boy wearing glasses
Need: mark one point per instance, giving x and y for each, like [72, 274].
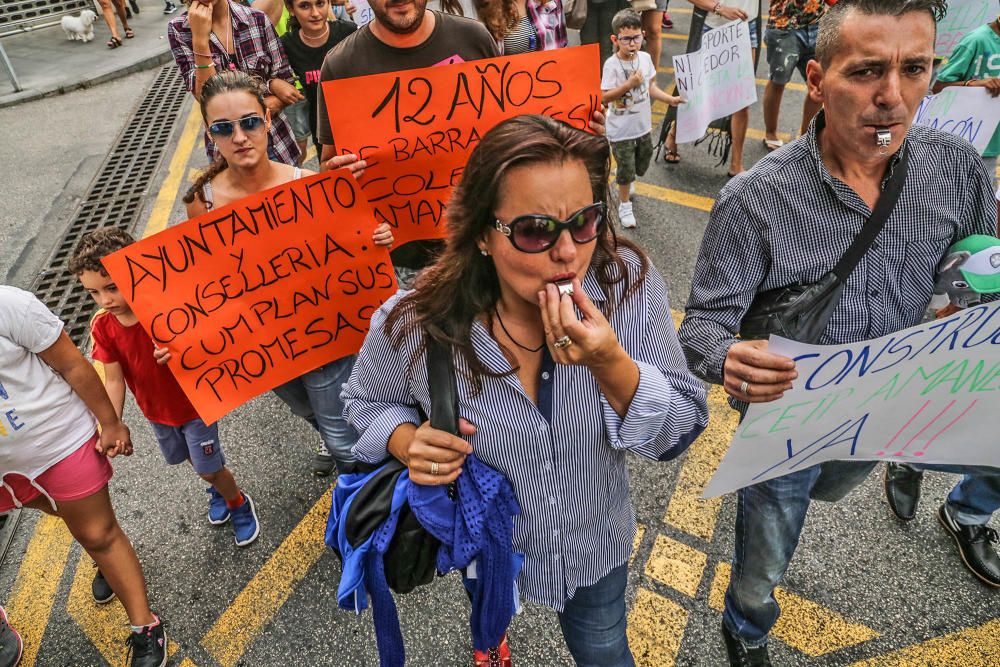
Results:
[131, 359]
[628, 83]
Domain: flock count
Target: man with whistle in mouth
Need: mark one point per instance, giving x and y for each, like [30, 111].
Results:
[789, 220]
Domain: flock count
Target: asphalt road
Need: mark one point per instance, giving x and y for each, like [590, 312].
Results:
[861, 586]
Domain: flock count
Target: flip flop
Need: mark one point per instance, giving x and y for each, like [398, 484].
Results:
[114, 43]
[773, 144]
[129, 34]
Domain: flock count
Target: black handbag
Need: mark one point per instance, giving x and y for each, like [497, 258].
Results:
[411, 559]
[801, 312]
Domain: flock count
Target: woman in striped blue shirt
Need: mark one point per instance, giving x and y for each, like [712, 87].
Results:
[566, 360]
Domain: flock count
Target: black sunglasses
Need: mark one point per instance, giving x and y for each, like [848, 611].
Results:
[224, 128]
[537, 233]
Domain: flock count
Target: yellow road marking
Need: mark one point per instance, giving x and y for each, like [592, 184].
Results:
[791, 85]
[105, 625]
[674, 196]
[687, 510]
[804, 625]
[159, 218]
[270, 588]
[640, 530]
[972, 647]
[752, 133]
[677, 565]
[30, 604]
[188, 663]
[655, 629]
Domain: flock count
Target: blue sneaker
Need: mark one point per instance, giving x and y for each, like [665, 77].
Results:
[218, 513]
[245, 526]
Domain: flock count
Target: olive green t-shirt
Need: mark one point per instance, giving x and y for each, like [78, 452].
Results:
[363, 54]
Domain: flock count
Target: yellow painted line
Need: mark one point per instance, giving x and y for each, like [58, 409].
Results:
[804, 625]
[676, 565]
[188, 663]
[680, 10]
[640, 530]
[972, 647]
[674, 196]
[30, 603]
[792, 85]
[105, 625]
[655, 629]
[687, 510]
[270, 588]
[752, 133]
[159, 218]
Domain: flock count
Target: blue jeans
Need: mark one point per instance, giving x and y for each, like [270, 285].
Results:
[315, 396]
[788, 50]
[593, 622]
[769, 519]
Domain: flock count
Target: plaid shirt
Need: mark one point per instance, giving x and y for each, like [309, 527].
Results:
[549, 22]
[258, 52]
[789, 220]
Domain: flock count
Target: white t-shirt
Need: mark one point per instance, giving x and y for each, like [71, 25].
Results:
[751, 7]
[631, 116]
[42, 420]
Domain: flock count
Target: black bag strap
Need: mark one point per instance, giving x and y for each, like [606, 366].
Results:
[442, 385]
[883, 209]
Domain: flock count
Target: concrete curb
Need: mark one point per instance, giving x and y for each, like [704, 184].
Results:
[32, 94]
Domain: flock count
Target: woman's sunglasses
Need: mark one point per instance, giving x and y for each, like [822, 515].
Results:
[224, 128]
[538, 233]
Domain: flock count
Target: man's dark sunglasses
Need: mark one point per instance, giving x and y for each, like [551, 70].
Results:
[224, 128]
[537, 233]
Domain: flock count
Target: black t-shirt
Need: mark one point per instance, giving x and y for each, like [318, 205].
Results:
[362, 54]
[306, 61]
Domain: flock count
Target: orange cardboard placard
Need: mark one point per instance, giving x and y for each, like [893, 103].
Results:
[416, 128]
[249, 296]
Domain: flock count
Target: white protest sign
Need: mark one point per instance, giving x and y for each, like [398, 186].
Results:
[716, 80]
[363, 14]
[970, 113]
[926, 394]
[963, 17]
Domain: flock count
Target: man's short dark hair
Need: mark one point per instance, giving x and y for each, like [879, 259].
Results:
[829, 25]
[95, 245]
[626, 18]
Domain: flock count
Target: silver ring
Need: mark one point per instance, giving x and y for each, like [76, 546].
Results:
[563, 341]
[434, 467]
[745, 388]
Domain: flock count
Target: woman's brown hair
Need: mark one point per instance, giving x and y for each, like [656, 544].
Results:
[462, 285]
[499, 16]
[224, 82]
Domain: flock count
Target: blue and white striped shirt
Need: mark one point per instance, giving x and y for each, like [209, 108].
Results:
[569, 471]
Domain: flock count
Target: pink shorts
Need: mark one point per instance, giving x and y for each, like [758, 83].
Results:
[81, 474]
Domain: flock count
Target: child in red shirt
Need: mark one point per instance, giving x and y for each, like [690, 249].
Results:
[131, 359]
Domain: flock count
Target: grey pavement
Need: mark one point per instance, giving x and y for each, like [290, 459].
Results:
[47, 63]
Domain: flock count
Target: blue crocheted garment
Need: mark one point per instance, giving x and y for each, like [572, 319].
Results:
[478, 526]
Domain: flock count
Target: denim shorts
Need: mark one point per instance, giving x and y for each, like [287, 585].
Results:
[298, 118]
[194, 441]
[788, 50]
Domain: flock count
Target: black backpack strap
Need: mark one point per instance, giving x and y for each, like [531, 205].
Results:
[880, 215]
[442, 385]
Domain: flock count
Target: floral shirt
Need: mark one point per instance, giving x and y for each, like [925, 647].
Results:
[794, 14]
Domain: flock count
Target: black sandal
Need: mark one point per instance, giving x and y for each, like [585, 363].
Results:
[129, 34]
[114, 43]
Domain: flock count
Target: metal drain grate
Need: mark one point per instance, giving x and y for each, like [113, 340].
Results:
[115, 198]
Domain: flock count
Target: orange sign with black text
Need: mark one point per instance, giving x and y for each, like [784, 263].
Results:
[416, 128]
[249, 296]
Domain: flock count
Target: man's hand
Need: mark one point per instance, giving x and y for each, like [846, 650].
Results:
[754, 375]
[991, 84]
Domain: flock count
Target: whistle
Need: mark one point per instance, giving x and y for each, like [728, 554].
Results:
[565, 288]
[883, 138]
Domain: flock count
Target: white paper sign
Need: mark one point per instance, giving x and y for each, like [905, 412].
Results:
[970, 113]
[927, 394]
[963, 17]
[716, 80]
[363, 14]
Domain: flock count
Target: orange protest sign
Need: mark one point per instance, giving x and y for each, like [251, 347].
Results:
[416, 128]
[251, 295]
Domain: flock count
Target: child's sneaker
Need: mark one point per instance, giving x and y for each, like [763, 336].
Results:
[148, 647]
[11, 645]
[323, 461]
[626, 215]
[101, 589]
[245, 526]
[170, 8]
[218, 513]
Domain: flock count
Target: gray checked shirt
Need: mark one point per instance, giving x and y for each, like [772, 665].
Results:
[789, 220]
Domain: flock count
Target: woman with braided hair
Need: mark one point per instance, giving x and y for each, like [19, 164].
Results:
[232, 104]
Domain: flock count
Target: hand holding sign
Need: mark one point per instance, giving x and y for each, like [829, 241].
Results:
[415, 129]
[249, 296]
